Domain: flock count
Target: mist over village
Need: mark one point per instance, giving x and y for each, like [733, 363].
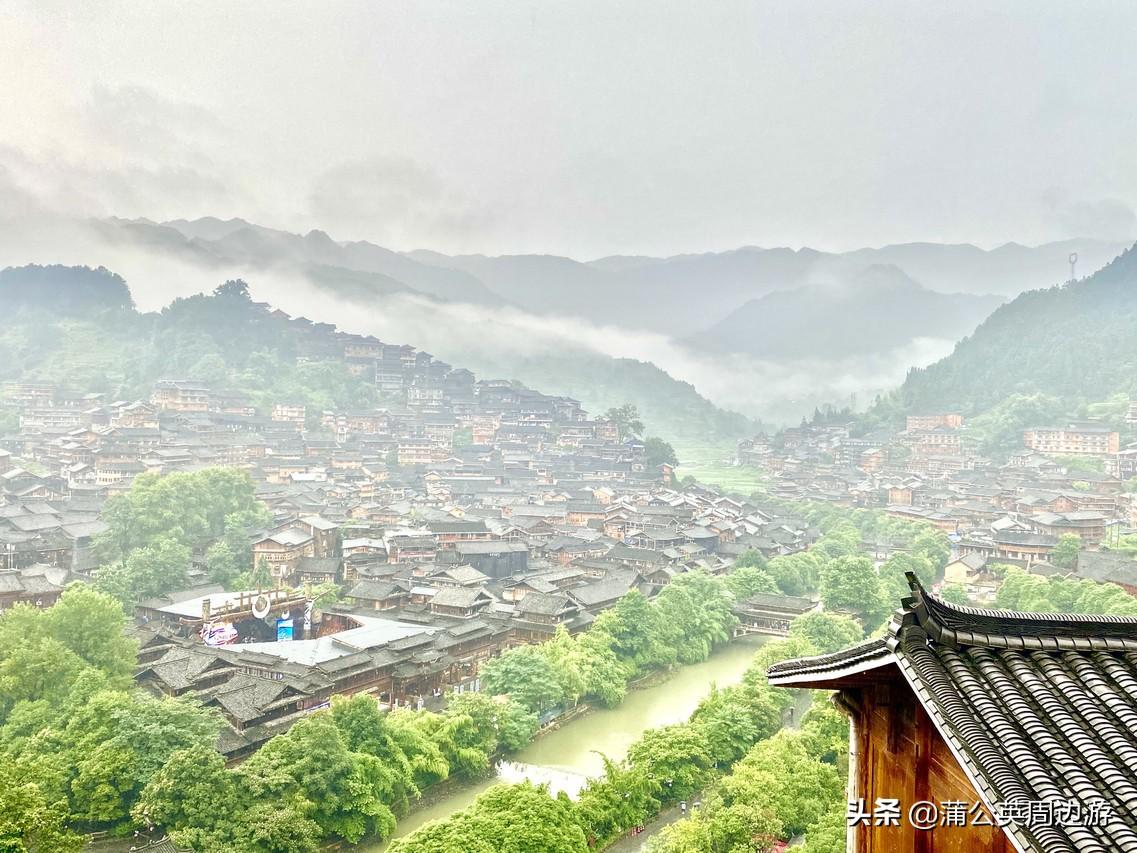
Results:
[552, 428]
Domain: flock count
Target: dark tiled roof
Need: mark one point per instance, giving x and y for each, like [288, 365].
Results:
[319, 565]
[1107, 567]
[543, 605]
[790, 603]
[370, 590]
[1034, 706]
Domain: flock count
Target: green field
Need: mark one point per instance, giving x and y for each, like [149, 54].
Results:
[711, 464]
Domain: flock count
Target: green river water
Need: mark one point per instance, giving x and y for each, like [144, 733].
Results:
[564, 758]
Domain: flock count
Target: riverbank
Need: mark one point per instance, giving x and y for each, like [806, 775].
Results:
[638, 843]
[575, 748]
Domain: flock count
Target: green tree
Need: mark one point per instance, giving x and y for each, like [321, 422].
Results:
[147, 571]
[44, 652]
[916, 563]
[750, 558]
[728, 729]
[679, 755]
[781, 774]
[851, 584]
[618, 799]
[563, 654]
[603, 675]
[954, 593]
[746, 581]
[193, 795]
[659, 452]
[30, 821]
[271, 826]
[525, 674]
[828, 632]
[633, 630]
[935, 547]
[1065, 554]
[365, 729]
[223, 563]
[626, 418]
[411, 731]
[505, 819]
[741, 827]
[313, 762]
[828, 834]
[192, 509]
[234, 290]
[796, 574]
[117, 741]
[694, 614]
[507, 725]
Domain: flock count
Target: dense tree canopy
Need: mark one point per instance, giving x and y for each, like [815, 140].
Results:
[1065, 555]
[852, 585]
[71, 291]
[1055, 594]
[520, 818]
[155, 526]
[44, 652]
[526, 675]
[827, 632]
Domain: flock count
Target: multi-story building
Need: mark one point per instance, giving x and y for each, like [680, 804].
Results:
[923, 423]
[293, 413]
[1073, 440]
[181, 395]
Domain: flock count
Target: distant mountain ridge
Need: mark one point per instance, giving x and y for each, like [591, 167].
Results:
[682, 294]
[214, 242]
[881, 308]
[677, 295]
[674, 299]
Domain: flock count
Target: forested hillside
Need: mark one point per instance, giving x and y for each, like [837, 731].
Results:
[61, 290]
[671, 408]
[223, 338]
[78, 328]
[1076, 343]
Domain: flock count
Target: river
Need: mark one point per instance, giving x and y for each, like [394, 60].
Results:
[564, 758]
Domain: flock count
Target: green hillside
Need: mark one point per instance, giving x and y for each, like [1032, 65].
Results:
[1076, 342]
[109, 347]
[670, 408]
[106, 346]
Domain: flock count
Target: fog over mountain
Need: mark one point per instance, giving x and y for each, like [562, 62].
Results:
[876, 310]
[680, 294]
[765, 332]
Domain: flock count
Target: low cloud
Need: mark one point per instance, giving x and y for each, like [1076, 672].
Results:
[494, 341]
[478, 336]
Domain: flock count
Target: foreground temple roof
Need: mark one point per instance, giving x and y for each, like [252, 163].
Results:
[1033, 706]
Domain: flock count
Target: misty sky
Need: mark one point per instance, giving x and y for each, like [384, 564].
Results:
[580, 128]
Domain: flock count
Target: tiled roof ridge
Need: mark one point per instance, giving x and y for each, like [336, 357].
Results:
[959, 625]
[864, 650]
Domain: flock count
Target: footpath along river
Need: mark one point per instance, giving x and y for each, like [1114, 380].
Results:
[564, 758]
